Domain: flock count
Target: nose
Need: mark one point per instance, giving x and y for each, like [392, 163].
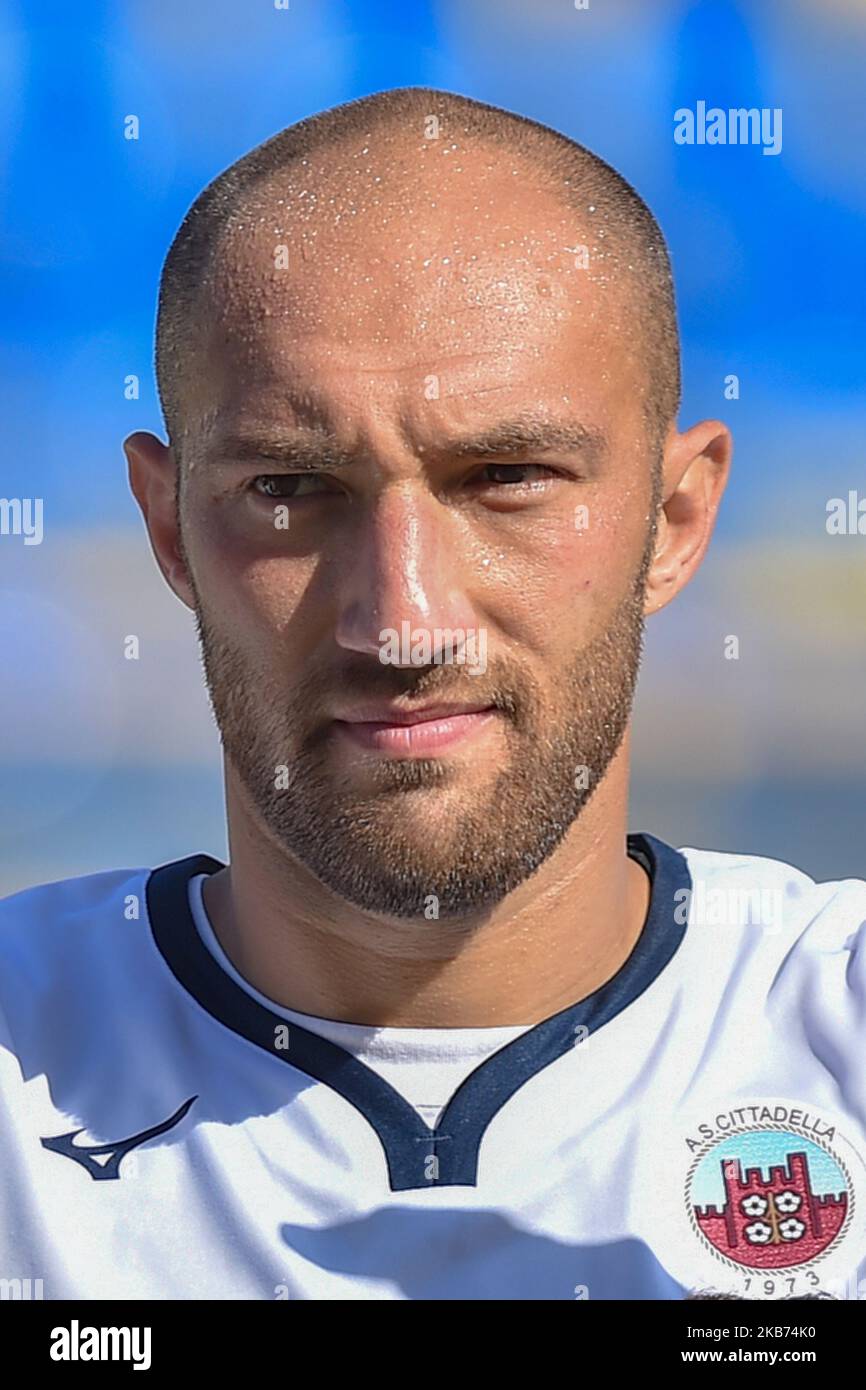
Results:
[406, 568]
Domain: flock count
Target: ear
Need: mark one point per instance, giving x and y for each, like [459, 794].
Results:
[153, 477]
[695, 471]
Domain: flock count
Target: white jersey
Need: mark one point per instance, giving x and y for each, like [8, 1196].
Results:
[698, 1122]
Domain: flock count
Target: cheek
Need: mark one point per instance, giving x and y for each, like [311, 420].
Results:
[572, 570]
[253, 598]
[275, 601]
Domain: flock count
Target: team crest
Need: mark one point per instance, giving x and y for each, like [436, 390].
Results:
[770, 1198]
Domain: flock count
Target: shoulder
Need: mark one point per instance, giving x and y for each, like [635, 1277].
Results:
[80, 974]
[67, 904]
[771, 894]
[807, 939]
[60, 930]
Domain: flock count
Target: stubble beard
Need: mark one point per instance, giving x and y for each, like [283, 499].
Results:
[492, 837]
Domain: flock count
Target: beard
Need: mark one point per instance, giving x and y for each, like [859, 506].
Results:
[425, 838]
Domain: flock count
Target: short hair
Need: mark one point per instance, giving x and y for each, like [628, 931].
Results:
[571, 171]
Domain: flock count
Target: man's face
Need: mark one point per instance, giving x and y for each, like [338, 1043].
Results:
[393, 323]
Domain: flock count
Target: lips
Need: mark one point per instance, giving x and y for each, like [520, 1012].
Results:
[407, 733]
[387, 715]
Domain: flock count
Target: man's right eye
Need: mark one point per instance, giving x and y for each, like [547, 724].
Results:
[283, 485]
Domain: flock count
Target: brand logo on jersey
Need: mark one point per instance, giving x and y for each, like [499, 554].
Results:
[88, 1155]
[767, 1189]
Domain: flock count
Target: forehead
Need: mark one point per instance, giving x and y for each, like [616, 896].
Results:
[392, 262]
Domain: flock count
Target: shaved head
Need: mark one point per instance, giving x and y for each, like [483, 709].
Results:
[364, 185]
[418, 361]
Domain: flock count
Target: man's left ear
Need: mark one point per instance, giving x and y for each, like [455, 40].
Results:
[695, 471]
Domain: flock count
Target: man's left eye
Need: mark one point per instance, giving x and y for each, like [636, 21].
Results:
[516, 473]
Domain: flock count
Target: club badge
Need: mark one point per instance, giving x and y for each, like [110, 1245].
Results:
[771, 1201]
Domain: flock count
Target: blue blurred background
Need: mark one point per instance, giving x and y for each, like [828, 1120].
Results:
[108, 762]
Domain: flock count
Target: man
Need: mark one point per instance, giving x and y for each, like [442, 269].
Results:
[440, 1029]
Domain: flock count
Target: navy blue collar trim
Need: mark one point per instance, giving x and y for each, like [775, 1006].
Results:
[417, 1156]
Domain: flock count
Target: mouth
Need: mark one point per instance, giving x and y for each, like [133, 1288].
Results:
[415, 732]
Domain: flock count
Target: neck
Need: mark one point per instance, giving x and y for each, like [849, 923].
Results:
[555, 940]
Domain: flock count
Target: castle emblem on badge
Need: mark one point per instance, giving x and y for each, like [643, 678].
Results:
[770, 1198]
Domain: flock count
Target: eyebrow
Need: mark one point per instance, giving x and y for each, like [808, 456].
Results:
[302, 450]
[312, 450]
[526, 434]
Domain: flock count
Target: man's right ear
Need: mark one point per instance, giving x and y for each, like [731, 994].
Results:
[153, 478]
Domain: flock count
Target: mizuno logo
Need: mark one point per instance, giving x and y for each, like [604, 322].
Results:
[86, 1154]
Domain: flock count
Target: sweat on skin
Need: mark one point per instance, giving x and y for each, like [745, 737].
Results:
[404, 260]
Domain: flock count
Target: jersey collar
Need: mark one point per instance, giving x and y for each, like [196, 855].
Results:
[417, 1156]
